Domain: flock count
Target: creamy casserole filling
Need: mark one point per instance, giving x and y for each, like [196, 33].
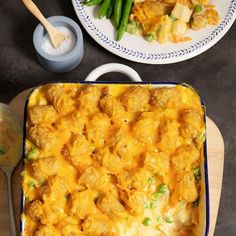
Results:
[113, 160]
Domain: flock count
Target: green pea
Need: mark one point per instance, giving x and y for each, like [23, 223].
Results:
[169, 219]
[32, 183]
[28, 199]
[173, 18]
[32, 154]
[198, 8]
[131, 27]
[200, 138]
[197, 173]
[159, 219]
[163, 188]
[152, 205]
[146, 205]
[156, 196]
[149, 180]
[147, 221]
[149, 37]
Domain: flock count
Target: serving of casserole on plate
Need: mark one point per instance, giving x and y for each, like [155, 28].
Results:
[115, 159]
[136, 48]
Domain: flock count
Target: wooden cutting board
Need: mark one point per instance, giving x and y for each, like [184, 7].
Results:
[215, 146]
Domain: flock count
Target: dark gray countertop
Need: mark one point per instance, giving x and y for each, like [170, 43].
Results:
[213, 73]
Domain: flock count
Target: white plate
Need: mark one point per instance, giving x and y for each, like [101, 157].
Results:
[135, 48]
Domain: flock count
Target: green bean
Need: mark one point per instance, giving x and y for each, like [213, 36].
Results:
[124, 19]
[93, 2]
[85, 2]
[117, 12]
[103, 9]
[110, 10]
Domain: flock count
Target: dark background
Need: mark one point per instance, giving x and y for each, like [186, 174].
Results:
[213, 73]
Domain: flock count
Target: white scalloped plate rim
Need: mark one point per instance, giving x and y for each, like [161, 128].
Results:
[135, 48]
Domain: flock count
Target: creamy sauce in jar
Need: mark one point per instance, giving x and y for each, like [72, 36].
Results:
[65, 47]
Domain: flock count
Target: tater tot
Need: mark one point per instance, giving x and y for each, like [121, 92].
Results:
[111, 161]
[61, 101]
[184, 157]
[82, 204]
[45, 114]
[98, 225]
[136, 98]
[78, 151]
[157, 162]
[165, 97]
[139, 179]
[88, 99]
[98, 128]
[55, 189]
[134, 201]
[42, 137]
[71, 230]
[149, 134]
[35, 210]
[191, 123]
[45, 167]
[170, 138]
[93, 178]
[185, 188]
[125, 146]
[48, 230]
[112, 107]
[73, 122]
[111, 206]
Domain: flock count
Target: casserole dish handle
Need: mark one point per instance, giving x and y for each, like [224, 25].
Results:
[113, 67]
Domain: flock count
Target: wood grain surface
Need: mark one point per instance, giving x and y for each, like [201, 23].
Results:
[215, 146]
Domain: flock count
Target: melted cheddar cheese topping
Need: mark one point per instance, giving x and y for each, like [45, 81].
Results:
[112, 160]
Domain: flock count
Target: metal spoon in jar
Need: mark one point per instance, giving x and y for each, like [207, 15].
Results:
[11, 137]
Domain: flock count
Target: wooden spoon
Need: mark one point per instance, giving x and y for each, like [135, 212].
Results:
[55, 35]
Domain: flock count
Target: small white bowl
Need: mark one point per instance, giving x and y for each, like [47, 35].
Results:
[59, 63]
